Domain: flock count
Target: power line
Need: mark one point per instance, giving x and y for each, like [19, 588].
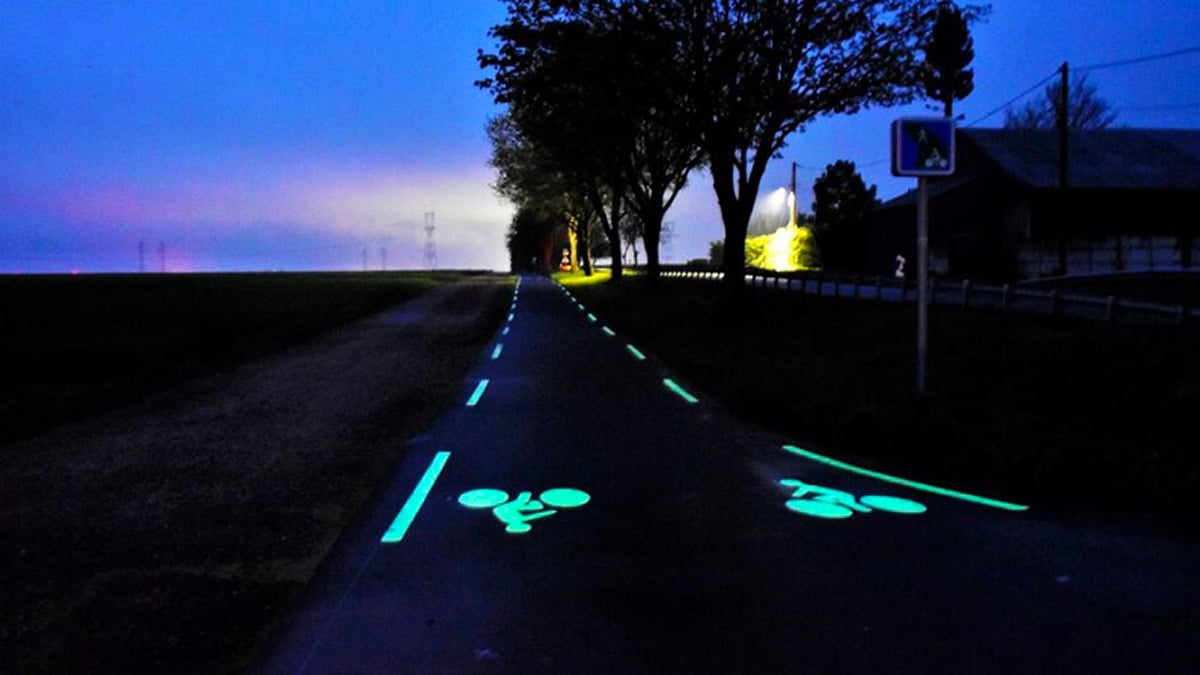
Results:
[1016, 98]
[1139, 59]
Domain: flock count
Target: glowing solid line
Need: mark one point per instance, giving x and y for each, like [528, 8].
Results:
[670, 384]
[497, 350]
[637, 354]
[608, 331]
[479, 388]
[416, 500]
[975, 499]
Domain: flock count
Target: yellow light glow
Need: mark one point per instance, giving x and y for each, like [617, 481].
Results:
[788, 249]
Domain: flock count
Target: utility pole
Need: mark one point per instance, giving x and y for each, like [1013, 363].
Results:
[793, 198]
[1062, 120]
[430, 258]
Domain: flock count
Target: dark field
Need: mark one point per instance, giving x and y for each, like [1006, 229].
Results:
[246, 420]
[1071, 415]
[75, 345]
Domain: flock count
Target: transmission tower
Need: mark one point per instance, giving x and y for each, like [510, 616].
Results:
[430, 248]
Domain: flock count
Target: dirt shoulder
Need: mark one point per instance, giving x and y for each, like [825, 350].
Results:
[172, 535]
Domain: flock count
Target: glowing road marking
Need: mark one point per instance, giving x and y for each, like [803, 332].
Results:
[823, 502]
[925, 487]
[478, 394]
[670, 384]
[408, 512]
[505, 331]
[510, 316]
[517, 514]
[608, 331]
[592, 317]
[496, 352]
[581, 307]
[637, 354]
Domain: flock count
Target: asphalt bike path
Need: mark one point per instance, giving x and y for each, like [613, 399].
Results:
[580, 510]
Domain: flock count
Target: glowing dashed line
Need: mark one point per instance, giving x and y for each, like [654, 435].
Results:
[592, 317]
[637, 354]
[478, 393]
[670, 384]
[416, 500]
[608, 331]
[496, 352]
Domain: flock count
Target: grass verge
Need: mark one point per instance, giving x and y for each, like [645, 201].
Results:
[1066, 414]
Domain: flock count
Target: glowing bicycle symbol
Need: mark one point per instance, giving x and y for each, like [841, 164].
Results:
[822, 502]
[517, 513]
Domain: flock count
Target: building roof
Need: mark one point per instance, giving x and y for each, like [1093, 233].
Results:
[1167, 159]
[1143, 159]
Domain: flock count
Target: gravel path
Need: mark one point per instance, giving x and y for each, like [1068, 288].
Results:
[171, 535]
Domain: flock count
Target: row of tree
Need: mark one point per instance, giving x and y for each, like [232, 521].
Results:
[610, 105]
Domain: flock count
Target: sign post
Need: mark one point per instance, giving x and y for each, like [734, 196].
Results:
[922, 147]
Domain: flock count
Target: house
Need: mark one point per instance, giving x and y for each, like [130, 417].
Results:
[1132, 203]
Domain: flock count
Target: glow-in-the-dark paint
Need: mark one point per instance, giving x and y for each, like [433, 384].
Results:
[496, 352]
[478, 393]
[670, 384]
[925, 487]
[608, 331]
[637, 354]
[511, 316]
[505, 331]
[592, 317]
[520, 511]
[412, 505]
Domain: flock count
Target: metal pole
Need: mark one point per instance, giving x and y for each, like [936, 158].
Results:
[922, 281]
[795, 198]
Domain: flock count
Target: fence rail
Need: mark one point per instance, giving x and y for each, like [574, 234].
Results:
[964, 294]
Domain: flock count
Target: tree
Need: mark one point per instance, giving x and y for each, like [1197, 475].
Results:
[948, 52]
[530, 241]
[763, 69]
[528, 177]
[563, 69]
[1085, 109]
[840, 211]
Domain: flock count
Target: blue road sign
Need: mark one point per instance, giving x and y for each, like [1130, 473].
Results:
[923, 146]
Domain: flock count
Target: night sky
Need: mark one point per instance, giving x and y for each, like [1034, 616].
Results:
[260, 135]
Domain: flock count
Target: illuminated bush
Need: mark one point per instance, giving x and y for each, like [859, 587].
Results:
[787, 249]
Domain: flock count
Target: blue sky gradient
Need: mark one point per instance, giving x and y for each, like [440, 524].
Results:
[261, 135]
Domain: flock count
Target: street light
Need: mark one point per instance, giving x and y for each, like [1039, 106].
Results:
[792, 197]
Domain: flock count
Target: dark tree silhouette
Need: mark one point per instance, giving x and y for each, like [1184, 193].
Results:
[840, 216]
[948, 52]
[763, 69]
[527, 176]
[530, 241]
[595, 86]
[1085, 109]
